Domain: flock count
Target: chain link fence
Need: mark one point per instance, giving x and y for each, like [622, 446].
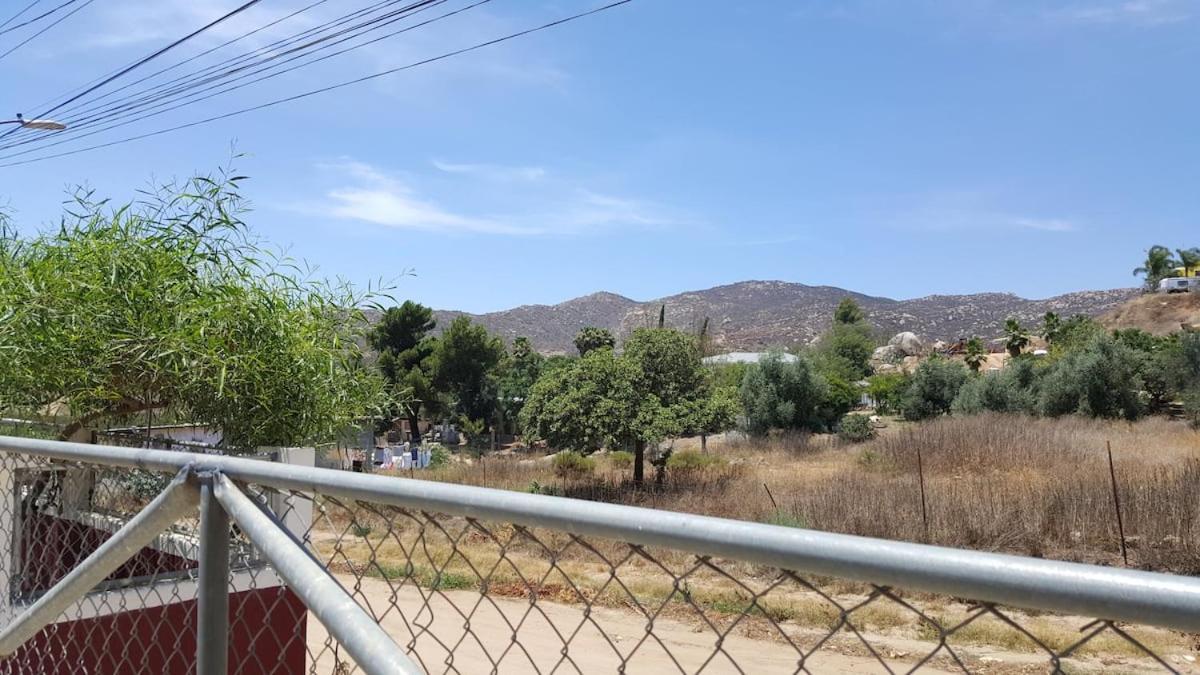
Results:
[470, 580]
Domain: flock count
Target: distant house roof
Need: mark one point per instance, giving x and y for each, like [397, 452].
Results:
[744, 357]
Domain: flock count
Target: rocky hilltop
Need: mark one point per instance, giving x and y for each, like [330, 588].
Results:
[753, 315]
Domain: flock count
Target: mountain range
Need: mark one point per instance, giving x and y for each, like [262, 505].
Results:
[755, 315]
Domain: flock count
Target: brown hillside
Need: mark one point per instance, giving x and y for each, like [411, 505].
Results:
[754, 315]
[1157, 313]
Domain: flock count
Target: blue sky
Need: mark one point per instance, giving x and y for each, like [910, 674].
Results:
[893, 147]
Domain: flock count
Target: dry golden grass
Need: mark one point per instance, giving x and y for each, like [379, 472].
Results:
[1020, 485]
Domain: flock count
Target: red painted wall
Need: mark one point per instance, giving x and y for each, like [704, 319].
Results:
[51, 547]
[267, 635]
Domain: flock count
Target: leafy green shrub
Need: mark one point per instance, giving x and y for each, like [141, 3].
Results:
[840, 397]
[887, 391]
[1008, 391]
[1100, 380]
[691, 460]
[620, 459]
[777, 394]
[573, 465]
[932, 389]
[439, 456]
[856, 429]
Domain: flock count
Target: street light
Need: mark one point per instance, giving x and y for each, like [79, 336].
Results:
[44, 125]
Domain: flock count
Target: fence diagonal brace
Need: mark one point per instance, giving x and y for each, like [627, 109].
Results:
[368, 644]
[180, 497]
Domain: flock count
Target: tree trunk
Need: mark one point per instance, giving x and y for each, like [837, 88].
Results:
[414, 427]
[124, 407]
[703, 442]
[639, 456]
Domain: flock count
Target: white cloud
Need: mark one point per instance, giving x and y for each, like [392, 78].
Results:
[493, 171]
[1045, 224]
[1134, 12]
[532, 202]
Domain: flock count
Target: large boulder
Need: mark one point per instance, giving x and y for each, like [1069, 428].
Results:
[907, 344]
[886, 354]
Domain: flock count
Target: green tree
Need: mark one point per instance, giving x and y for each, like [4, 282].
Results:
[1100, 380]
[518, 373]
[976, 354]
[401, 338]
[655, 390]
[848, 312]
[778, 394]
[1016, 338]
[591, 337]
[465, 362]
[932, 388]
[671, 373]
[1189, 259]
[1158, 266]
[1011, 390]
[716, 413]
[1076, 332]
[887, 391]
[1051, 327]
[170, 305]
[590, 403]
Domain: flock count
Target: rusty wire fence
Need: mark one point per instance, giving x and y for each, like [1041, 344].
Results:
[456, 579]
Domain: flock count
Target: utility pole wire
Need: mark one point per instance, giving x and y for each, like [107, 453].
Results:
[185, 61]
[137, 63]
[340, 85]
[16, 16]
[54, 23]
[142, 112]
[35, 19]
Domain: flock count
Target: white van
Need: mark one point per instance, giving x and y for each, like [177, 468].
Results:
[1179, 285]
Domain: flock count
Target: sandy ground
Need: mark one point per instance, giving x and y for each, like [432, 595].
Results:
[541, 630]
[676, 646]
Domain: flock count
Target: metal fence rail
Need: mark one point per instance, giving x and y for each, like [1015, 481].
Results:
[407, 576]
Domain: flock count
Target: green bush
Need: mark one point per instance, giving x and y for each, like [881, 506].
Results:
[856, 429]
[777, 394]
[620, 459]
[933, 388]
[1009, 391]
[691, 460]
[439, 456]
[1100, 380]
[887, 391]
[572, 465]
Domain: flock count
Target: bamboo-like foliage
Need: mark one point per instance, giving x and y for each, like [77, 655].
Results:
[169, 304]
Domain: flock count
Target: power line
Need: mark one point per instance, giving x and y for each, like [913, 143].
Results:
[154, 55]
[33, 138]
[16, 16]
[169, 107]
[52, 25]
[180, 63]
[35, 19]
[133, 65]
[206, 75]
[322, 90]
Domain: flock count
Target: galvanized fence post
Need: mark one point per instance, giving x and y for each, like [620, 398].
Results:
[212, 622]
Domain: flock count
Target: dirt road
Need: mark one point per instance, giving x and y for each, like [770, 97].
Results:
[541, 630]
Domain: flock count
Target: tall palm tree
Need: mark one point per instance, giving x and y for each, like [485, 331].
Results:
[1189, 259]
[1016, 338]
[976, 354]
[1051, 327]
[1158, 266]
